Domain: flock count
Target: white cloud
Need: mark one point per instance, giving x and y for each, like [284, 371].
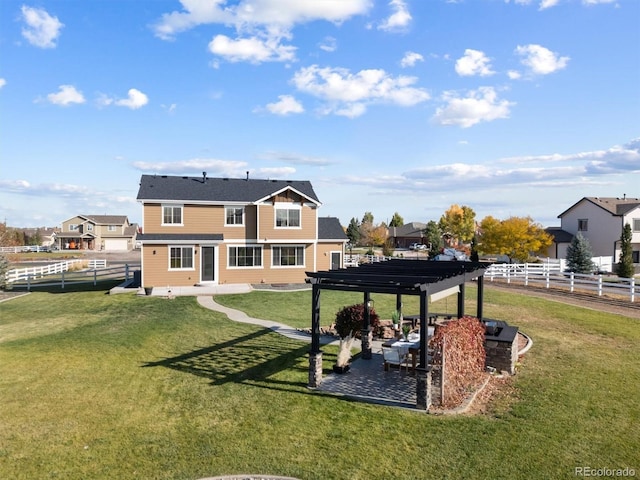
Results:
[329, 44]
[247, 15]
[66, 96]
[514, 75]
[399, 19]
[135, 100]
[3, 82]
[195, 166]
[474, 62]
[481, 105]
[253, 49]
[285, 106]
[41, 30]
[348, 94]
[540, 60]
[410, 59]
[544, 4]
[296, 159]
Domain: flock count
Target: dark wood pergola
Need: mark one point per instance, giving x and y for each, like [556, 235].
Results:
[400, 277]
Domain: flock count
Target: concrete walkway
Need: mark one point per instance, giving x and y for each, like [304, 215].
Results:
[281, 328]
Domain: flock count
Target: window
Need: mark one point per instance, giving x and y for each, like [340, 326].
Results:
[287, 217]
[89, 227]
[73, 227]
[636, 225]
[111, 228]
[583, 224]
[234, 216]
[171, 215]
[288, 256]
[181, 258]
[245, 256]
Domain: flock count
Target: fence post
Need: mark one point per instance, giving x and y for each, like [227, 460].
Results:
[548, 281]
[28, 282]
[600, 285]
[62, 280]
[632, 283]
[572, 281]
[126, 271]
[526, 274]
[95, 276]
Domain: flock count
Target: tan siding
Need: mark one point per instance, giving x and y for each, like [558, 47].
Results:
[308, 218]
[156, 269]
[324, 254]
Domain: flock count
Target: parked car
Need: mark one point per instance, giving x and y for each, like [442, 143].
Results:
[417, 246]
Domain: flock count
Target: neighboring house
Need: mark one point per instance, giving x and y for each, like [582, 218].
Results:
[407, 234]
[97, 232]
[199, 230]
[46, 235]
[600, 220]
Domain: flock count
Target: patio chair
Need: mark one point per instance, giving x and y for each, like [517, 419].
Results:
[394, 356]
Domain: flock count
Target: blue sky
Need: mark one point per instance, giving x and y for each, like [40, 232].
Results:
[512, 107]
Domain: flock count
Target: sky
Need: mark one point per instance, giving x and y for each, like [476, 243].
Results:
[511, 107]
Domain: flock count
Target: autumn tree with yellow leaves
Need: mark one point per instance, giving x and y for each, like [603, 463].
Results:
[517, 237]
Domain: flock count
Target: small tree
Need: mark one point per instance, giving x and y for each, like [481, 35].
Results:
[433, 237]
[624, 267]
[396, 221]
[4, 267]
[349, 322]
[353, 231]
[579, 255]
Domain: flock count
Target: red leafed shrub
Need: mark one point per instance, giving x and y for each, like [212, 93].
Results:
[464, 357]
[349, 320]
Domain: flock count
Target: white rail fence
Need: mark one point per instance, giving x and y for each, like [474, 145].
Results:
[19, 274]
[95, 271]
[550, 275]
[25, 248]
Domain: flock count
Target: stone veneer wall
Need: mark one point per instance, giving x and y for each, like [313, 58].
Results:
[502, 350]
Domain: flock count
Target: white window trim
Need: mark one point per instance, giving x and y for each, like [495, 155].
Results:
[181, 269]
[181, 207]
[241, 267]
[304, 256]
[286, 206]
[635, 222]
[74, 227]
[234, 224]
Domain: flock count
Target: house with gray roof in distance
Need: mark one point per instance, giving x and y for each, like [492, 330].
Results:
[97, 232]
[407, 234]
[600, 220]
[203, 230]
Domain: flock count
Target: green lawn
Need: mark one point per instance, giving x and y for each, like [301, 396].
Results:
[94, 386]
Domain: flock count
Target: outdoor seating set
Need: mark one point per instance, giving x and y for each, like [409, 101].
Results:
[399, 353]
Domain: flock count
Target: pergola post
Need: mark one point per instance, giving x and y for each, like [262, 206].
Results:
[461, 300]
[479, 311]
[366, 334]
[315, 354]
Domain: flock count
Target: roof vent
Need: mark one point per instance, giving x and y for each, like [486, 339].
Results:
[247, 174]
[204, 177]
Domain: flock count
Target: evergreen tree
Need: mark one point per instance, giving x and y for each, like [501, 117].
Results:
[353, 231]
[433, 237]
[4, 268]
[396, 221]
[579, 255]
[624, 268]
[474, 250]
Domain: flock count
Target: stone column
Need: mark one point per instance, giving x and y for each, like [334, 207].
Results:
[423, 388]
[315, 369]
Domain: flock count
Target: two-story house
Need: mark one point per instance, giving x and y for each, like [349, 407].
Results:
[600, 220]
[97, 232]
[201, 230]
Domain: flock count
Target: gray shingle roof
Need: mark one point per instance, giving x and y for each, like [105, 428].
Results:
[106, 219]
[176, 188]
[615, 206]
[329, 228]
[559, 235]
